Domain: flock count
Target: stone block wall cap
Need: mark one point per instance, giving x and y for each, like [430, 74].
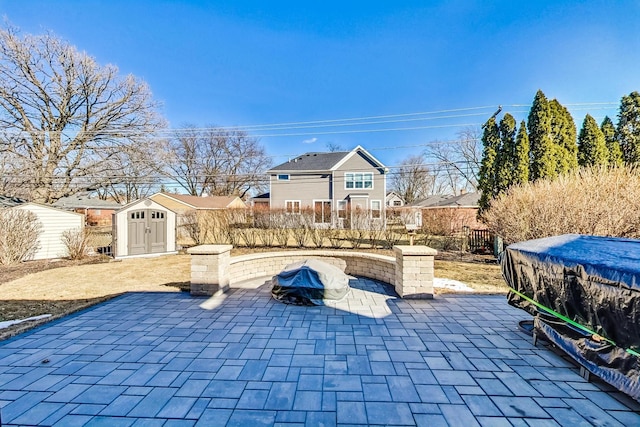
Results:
[414, 250]
[209, 249]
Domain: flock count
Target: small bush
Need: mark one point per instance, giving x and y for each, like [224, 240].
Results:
[76, 242]
[597, 201]
[19, 233]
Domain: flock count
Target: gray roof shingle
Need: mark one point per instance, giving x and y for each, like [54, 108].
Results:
[10, 201]
[311, 162]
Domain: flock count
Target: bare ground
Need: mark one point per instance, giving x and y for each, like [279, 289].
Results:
[62, 287]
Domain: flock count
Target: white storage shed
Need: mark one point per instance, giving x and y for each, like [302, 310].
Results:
[144, 228]
[54, 222]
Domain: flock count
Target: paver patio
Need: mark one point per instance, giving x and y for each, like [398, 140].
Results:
[245, 359]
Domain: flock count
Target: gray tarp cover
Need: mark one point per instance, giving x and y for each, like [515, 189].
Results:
[310, 282]
[594, 281]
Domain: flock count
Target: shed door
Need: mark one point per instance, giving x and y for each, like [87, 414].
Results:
[157, 232]
[137, 230]
[147, 232]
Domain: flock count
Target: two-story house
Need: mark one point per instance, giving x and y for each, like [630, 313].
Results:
[340, 187]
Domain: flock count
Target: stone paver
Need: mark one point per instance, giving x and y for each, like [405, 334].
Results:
[244, 359]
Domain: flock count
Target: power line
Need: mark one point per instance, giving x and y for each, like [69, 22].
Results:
[329, 123]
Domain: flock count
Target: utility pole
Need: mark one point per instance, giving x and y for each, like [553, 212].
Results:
[493, 116]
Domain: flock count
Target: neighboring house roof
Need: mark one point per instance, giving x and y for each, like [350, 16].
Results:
[83, 201]
[209, 202]
[467, 200]
[40, 206]
[10, 201]
[263, 196]
[429, 201]
[322, 162]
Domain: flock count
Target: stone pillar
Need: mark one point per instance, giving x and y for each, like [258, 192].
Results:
[414, 271]
[209, 268]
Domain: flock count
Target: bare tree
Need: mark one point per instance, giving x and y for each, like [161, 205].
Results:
[333, 147]
[413, 180]
[458, 161]
[217, 161]
[67, 115]
[140, 173]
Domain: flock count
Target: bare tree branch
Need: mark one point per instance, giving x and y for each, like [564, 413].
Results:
[68, 116]
[217, 161]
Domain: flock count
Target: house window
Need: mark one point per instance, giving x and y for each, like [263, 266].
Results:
[283, 177]
[293, 206]
[376, 209]
[358, 180]
[322, 211]
[342, 208]
[397, 203]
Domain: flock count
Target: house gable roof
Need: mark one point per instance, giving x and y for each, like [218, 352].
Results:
[467, 200]
[27, 205]
[83, 201]
[197, 202]
[322, 162]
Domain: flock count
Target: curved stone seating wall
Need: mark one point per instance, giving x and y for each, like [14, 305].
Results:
[267, 264]
[410, 272]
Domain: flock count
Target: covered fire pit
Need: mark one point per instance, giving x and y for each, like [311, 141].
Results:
[310, 282]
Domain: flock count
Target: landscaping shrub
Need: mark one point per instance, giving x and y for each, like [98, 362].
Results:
[600, 201]
[19, 233]
[76, 242]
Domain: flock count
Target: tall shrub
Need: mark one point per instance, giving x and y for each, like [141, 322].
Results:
[598, 201]
[76, 242]
[19, 233]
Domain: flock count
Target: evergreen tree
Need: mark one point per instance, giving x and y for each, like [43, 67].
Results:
[609, 132]
[505, 160]
[487, 173]
[543, 162]
[592, 148]
[628, 131]
[521, 156]
[563, 133]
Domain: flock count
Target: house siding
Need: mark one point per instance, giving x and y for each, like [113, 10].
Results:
[303, 187]
[96, 217]
[456, 217]
[54, 223]
[358, 163]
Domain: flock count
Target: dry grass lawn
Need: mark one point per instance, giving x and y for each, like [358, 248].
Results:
[64, 287]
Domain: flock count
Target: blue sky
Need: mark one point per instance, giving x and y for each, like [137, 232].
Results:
[241, 63]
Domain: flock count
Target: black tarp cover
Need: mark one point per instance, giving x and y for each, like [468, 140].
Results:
[593, 281]
[310, 282]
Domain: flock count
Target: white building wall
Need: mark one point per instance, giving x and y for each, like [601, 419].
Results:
[54, 222]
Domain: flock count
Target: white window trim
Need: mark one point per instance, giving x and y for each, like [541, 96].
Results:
[293, 211]
[327, 220]
[288, 177]
[364, 174]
